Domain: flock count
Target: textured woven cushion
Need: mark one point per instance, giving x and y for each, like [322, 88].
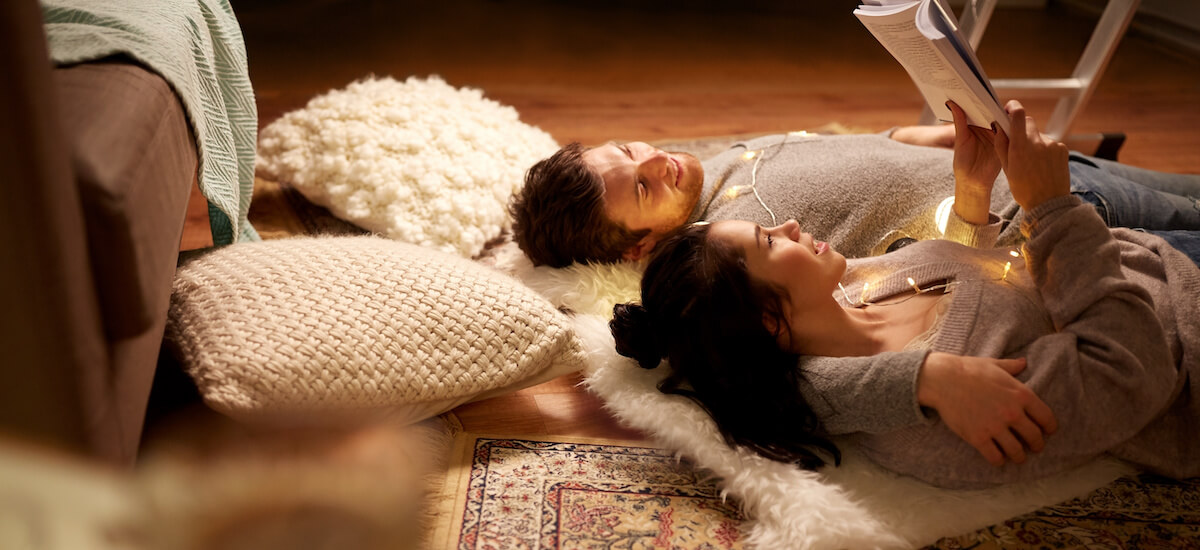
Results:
[417, 161]
[343, 326]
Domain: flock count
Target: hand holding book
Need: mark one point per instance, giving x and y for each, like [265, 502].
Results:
[975, 169]
[1035, 164]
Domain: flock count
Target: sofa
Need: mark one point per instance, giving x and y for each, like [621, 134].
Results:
[100, 163]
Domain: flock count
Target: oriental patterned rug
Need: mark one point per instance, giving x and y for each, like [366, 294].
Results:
[514, 493]
[1135, 513]
[579, 493]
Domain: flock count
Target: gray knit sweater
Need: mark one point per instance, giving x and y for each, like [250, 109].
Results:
[858, 192]
[1109, 321]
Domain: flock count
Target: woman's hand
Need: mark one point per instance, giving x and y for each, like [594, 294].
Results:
[975, 168]
[1035, 164]
[982, 402]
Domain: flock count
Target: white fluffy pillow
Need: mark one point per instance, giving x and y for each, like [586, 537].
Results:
[418, 161]
[318, 329]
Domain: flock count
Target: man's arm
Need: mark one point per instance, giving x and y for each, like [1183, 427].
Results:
[941, 135]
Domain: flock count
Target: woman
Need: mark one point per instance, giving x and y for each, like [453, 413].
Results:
[1108, 321]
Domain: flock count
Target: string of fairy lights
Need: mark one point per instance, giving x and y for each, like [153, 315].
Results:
[757, 155]
[917, 289]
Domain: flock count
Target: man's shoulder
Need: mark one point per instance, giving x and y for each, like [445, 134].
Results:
[738, 148]
[802, 136]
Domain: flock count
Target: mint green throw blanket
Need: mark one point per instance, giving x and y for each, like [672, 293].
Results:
[196, 46]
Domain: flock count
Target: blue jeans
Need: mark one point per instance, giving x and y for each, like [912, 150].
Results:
[1167, 205]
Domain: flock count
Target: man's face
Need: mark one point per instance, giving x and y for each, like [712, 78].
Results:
[647, 188]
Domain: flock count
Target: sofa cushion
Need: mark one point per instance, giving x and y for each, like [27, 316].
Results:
[318, 330]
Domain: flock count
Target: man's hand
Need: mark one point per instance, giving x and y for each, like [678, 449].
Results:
[1035, 164]
[928, 136]
[982, 402]
[975, 168]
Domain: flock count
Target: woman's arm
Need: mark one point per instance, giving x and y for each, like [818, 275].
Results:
[975, 169]
[1109, 362]
[1109, 357]
[978, 398]
[982, 402]
[863, 394]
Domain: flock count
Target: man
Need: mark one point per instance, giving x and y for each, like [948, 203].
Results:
[864, 194]
[615, 201]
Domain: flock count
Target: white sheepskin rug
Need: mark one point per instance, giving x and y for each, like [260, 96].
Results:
[417, 161]
[855, 505]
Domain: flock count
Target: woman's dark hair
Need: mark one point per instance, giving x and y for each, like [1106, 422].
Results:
[702, 312]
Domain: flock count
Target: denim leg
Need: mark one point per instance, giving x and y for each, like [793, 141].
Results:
[1187, 242]
[1187, 185]
[1123, 202]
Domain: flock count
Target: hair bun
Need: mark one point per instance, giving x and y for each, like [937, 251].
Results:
[634, 333]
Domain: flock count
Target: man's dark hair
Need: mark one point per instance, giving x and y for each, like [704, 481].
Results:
[559, 218]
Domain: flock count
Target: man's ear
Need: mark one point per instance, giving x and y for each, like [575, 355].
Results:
[640, 249]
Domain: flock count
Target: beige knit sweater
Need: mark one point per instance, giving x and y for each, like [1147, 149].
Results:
[1109, 321]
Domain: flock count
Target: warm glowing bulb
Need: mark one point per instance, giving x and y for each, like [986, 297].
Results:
[913, 284]
[734, 191]
[942, 216]
[1014, 253]
[1007, 266]
[863, 298]
[749, 154]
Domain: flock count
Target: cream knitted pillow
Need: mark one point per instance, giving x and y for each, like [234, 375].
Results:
[343, 326]
[417, 161]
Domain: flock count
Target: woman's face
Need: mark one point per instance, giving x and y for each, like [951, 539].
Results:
[782, 256]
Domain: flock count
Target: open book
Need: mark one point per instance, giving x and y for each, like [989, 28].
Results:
[924, 38]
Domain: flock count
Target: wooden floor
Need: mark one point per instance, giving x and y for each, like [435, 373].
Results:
[692, 69]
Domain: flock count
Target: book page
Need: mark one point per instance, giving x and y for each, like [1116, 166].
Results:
[947, 26]
[934, 66]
